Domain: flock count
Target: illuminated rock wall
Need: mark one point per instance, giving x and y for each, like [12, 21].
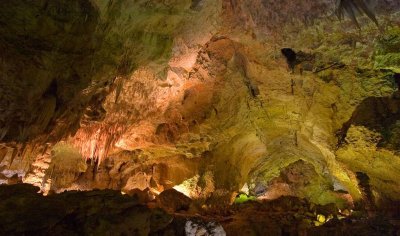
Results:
[197, 96]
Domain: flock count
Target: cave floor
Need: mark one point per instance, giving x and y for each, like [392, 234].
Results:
[24, 211]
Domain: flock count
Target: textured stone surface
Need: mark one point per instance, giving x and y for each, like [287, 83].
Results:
[24, 211]
[173, 201]
[196, 96]
[107, 212]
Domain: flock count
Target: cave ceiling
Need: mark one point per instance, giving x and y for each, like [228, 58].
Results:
[197, 96]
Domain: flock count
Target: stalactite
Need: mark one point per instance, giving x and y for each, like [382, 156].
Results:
[24, 150]
[3, 153]
[45, 149]
[46, 112]
[354, 7]
[119, 87]
[96, 141]
[14, 155]
[3, 132]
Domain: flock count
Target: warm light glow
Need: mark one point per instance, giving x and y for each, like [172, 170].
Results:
[96, 141]
[188, 187]
[245, 189]
[182, 189]
[154, 191]
[153, 101]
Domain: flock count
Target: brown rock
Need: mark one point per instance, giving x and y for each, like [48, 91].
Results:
[171, 200]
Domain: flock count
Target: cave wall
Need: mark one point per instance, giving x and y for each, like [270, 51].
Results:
[197, 96]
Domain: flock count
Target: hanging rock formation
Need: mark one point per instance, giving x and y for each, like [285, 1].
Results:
[148, 96]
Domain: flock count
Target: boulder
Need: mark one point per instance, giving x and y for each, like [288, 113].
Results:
[171, 200]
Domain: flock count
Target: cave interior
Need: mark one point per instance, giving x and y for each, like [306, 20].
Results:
[200, 117]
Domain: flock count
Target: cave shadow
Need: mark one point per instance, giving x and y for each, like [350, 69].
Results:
[379, 114]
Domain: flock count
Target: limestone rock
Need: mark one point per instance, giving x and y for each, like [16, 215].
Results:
[196, 96]
[172, 200]
[96, 212]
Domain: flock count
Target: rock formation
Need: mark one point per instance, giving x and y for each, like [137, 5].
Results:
[151, 98]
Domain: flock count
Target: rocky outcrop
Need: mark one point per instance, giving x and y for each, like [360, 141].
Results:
[24, 211]
[106, 212]
[173, 201]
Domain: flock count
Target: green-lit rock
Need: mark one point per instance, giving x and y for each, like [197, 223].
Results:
[387, 50]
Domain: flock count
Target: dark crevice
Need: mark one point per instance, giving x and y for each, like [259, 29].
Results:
[366, 191]
[379, 114]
